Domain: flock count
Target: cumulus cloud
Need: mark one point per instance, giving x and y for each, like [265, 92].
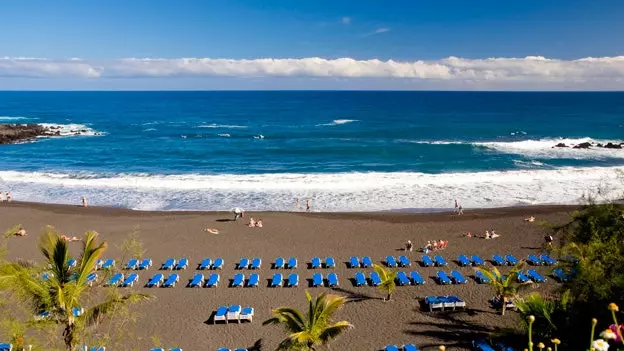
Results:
[532, 69]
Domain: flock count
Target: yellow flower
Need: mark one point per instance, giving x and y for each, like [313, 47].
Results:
[531, 319]
[541, 345]
[608, 334]
[556, 341]
[594, 321]
[442, 348]
[613, 307]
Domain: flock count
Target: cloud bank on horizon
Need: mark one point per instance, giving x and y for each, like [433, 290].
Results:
[532, 69]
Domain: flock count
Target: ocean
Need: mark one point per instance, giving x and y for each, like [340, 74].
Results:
[345, 151]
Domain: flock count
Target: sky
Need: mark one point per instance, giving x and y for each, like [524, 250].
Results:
[285, 44]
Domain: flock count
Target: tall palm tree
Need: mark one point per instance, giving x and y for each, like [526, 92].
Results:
[66, 287]
[505, 286]
[315, 328]
[388, 279]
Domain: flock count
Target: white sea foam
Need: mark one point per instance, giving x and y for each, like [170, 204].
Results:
[222, 126]
[329, 192]
[430, 142]
[14, 118]
[338, 122]
[225, 135]
[71, 129]
[149, 129]
[543, 148]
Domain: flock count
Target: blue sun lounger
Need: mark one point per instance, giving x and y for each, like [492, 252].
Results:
[293, 280]
[233, 313]
[277, 280]
[72, 263]
[254, 280]
[6, 347]
[458, 278]
[279, 263]
[171, 281]
[354, 262]
[482, 278]
[391, 262]
[402, 279]
[77, 311]
[410, 347]
[534, 260]
[240, 349]
[130, 280]
[205, 264]
[482, 345]
[218, 263]
[197, 281]
[360, 279]
[243, 263]
[220, 314]
[404, 261]
[94, 348]
[439, 261]
[182, 264]
[145, 264]
[91, 278]
[115, 279]
[330, 263]
[316, 263]
[499, 261]
[511, 260]
[156, 280]
[443, 278]
[366, 262]
[477, 261]
[522, 277]
[433, 302]
[132, 264]
[109, 263]
[292, 263]
[317, 280]
[463, 261]
[548, 260]
[391, 348]
[332, 279]
[416, 278]
[168, 264]
[536, 277]
[213, 280]
[246, 314]
[560, 274]
[427, 261]
[223, 349]
[239, 279]
[375, 278]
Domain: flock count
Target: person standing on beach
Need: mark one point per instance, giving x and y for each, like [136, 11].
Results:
[460, 210]
[84, 201]
[297, 207]
[8, 196]
[238, 213]
[307, 205]
[456, 206]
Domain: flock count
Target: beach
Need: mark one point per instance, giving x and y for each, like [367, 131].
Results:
[178, 316]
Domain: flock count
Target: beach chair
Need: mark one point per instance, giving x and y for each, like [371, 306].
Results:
[317, 280]
[223, 349]
[233, 313]
[360, 279]
[171, 281]
[457, 301]
[536, 277]
[354, 262]
[443, 278]
[168, 264]
[481, 278]
[94, 348]
[416, 278]
[218, 263]
[6, 347]
[132, 264]
[243, 263]
[145, 264]
[391, 348]
[499, 261]
[205, 264]
[108, 264]
[159, 349]
[316, 263]
[548, 260]
[402, 279]
[522, 278]
[390, 261]
[404, 261]
[481, 345]
[77, 311]
[91, 278]
[511, 260]
[197, 281]
[499, 346]
[72, 263]
[534, 260]
[220, 314]
[427, 261]
[292, 263]
[46, 276]
[115, 279]
[332, 280]
[447, 302]
[279, 263]
[560, 275]
[293, 280]
[254, 280]
[463, 261]
[213, 280]
[130, 280]
[182, 264]
[247, 314]
[375, 278]
[410, 347]
[330, 263]
[477, 261]
[367, 262]
[440, 261]
[239, 279]
[240, 349]
[433, 302]
[458, 278]
[155, 281]
[277, 280]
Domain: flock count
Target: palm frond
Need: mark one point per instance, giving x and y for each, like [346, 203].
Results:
[330, 304]
[334, 331]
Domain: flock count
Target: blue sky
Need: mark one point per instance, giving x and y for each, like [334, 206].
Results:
[102, 32]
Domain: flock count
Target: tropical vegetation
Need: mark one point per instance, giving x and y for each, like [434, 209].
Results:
[505, 287]
[388, 280]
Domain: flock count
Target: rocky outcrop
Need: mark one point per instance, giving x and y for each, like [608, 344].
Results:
[16, 133]
[561, 145]
[588, 145]
[583, 146]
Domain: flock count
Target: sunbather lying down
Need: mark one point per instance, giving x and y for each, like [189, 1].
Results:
[530, 219]
[70, 239]
[211, 230]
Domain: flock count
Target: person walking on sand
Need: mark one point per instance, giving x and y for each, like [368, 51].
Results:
[456, 206]
[84, 201]
[8, 197]
[307, 205]
[238, 213]
[460, 210]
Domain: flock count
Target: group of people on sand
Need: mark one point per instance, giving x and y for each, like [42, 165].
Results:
[298, 206]
[459, 210]
[7, 197]
[255, 224]
[489, 234]
[435, 245]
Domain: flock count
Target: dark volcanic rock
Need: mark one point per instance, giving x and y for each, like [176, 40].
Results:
[561, 145]
[15, 133]
[613, 146]
[583, 146]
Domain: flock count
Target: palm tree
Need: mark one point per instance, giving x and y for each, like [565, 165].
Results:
[66, 287]
[388, 279]
[549, 313]
[315, 328]
[505, 287]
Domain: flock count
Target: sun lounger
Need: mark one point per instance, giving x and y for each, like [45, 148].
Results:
[213, 280]
[130, 280]
[168, 264]
[182, 264]
[293, 280]
[72, 263]
[375, 279]
[156, 280]
[171, 281]
[223, 349]
[277, 280]
[115, 279]
[254, 280]
[6, 347]
[239, 279]
[404, 261]
[360, 279]
[481, 345]
[247, 314]
[220, 315]
[548, 260]
[47, 275]
[536, 277]
[534, 260]
[511, 260]
[433, 302]
[427, 261]
[145, 264]
[109, 263]
[132, 264]
[91, 278]
[354, 262]
[502, 347]
[332, 280]
[443, 278]
[390, 261]
[218, 263]
[477, 261]
[457, 301]
[367, 262]
[458, 278]
[522, 277]
[176, 349]
[482, 278]
[439, 261]
[330, 263]
[77, 311]
[391, 348]
[410, 347]
[560, 275]
[94, 348]
[205, 264]
[416, 278]
[499, 261]
[240, 349]
[279, 263]
[233, 313]
[316, 263]
[463, 260]
[402, 279]
[509, 304]
[447, 302]
[197, 281]
[159, 349]
[243, 263]
[317, 280]
[292, 263]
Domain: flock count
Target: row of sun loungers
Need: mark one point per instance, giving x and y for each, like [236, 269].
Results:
[278, 280]
[135, 264]
[541, 260]
[444, 302]
[438, 261]
[233, 313]
[207, 263]
[244, 263]
[329, 263]
[354, 262]
[455, 278]
[171, 263]
[118, 279]
[406, 347]
[509, 304]
[473, 261]
[281, 263]
[6, 347]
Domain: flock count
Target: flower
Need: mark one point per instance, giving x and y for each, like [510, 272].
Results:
[531, 319]
[608, 334]
[548, 348]
[442, 348]
[613, 307]
[594, 321]
[600, 345]
[556, 341]
[541, 345]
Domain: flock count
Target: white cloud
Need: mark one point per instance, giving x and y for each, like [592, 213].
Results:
[382, 30]
[531, 69]
[345, 20]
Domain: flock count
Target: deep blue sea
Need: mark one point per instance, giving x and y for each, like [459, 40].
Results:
[346, 151]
